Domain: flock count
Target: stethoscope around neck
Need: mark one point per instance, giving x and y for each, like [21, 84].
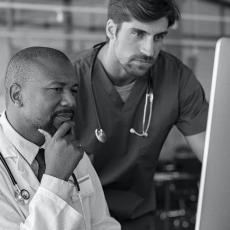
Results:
[148, 98]
[21, 195]
[100, 134]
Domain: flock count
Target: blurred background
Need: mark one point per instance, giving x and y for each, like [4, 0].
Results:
[74, 25]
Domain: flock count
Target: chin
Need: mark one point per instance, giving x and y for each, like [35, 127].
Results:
[137, 71]
[50, 128]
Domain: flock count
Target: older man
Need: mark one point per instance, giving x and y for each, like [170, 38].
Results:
[40, 101]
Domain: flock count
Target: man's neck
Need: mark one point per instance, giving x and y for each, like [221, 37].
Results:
[115, 72]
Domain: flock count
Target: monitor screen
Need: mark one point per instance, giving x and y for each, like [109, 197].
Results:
[213, 211]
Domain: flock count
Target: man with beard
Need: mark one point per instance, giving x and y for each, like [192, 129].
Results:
[132, 94]
[57, 188]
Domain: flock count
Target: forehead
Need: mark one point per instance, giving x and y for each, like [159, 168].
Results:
[54, 70]
[152, 27]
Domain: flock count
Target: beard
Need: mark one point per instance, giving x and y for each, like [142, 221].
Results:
[133, 70]
[136, 65]
[50, 125]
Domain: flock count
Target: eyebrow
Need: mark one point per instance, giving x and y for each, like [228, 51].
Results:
[61, 83]
[162, 33]
[144, 32]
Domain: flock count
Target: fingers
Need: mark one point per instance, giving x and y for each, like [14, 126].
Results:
[63, 129]
[69, 137]
[47, 136]
[81, 150]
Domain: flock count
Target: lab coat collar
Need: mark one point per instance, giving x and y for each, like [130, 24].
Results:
[26, 148]
[8, 150]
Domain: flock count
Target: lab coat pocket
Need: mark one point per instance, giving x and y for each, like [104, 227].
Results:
[86, 188]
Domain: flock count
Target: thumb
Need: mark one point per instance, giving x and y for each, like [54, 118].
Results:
[47, 136]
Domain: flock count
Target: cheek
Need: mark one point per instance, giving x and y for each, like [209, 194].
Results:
[126, 48]
[33, 100]
[41, 110]
[129, 44]
[45, 103]
[37, 106]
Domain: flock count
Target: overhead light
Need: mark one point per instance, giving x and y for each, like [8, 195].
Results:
[60, 16]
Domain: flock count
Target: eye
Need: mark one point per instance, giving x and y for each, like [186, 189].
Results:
[159, 37]
[138, 33]
[73, 91]
[58, 89]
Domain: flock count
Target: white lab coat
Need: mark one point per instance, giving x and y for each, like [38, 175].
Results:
[54, 204]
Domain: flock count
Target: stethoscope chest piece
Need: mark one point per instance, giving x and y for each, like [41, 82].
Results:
[100, 134]
[22, 196]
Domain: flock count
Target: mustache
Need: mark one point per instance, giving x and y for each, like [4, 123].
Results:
[67, 110]
[142, 57]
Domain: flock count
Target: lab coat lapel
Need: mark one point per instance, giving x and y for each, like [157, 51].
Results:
[21, 171]
[27, 173]
[25, 180]
[18, 165]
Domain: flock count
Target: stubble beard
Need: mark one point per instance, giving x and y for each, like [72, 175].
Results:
[136, 71]
[50, 127]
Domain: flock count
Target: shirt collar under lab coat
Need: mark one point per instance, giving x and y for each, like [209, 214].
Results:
[26, 148]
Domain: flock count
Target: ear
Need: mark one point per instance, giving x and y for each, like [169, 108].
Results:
[111, 29]
[15, 95]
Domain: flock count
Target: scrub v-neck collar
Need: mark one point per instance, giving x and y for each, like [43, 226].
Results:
[139, 88]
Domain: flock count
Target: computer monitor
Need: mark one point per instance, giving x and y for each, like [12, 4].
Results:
[213, 211]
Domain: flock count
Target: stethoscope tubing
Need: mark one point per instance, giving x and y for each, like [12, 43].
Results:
[149, 95]
[18, 190]
[8, 169]
[99, 133]
[21, 195]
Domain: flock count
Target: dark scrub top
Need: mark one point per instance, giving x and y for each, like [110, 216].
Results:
[126, 162]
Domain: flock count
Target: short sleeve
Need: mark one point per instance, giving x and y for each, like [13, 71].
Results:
[193, 107]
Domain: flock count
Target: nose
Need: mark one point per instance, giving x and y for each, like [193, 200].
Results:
[68, 99]
[147, 47]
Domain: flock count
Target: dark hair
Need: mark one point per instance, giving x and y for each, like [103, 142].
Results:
[143, 10]
[20, 67]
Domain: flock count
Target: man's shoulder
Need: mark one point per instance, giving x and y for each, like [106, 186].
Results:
[169, 58]
[171, 63]
[85, 57]
[81, 56]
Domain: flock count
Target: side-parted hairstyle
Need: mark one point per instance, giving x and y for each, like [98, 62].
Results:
[20, 67]
[142, 10]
